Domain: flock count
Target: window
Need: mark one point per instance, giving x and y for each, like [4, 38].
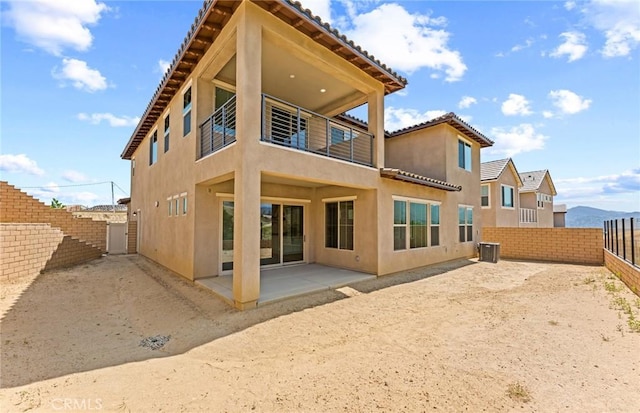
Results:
[464, 155]
[170, 205]
[222, 96]
[484, 196]
[507, 196]
[184, 205]
[465, 223]
[339, 225]
[435, 225]
[166, 133]
[177, 205]
[186, 112]
[339, 135]
[542, 198]
[133, 166]
[422, 231]
[153, 150]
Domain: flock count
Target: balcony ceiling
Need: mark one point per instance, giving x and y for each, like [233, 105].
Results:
[304, 89]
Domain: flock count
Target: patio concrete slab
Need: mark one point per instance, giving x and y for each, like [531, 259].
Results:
[286, 282]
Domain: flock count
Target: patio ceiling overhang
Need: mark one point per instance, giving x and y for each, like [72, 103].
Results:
[400, 175]
[213, 17]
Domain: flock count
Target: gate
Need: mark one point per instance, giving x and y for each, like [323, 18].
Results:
[117, 238]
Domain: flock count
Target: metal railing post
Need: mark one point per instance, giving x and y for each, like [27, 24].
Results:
[351, 144]
[328, 137]
[371, 138]
[224, 124]
[263, 120]
[633, 243]
[617, 243]
[298, 127]
[624, 242]
[605, 233]
[211, 134]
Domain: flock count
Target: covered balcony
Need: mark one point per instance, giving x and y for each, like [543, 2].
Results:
[292, 126]
[528, 216]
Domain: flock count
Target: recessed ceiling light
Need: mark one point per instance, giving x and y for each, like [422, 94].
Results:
[292, 76]
[323, 90]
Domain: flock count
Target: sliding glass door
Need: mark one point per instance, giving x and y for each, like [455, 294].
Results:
[281, 234]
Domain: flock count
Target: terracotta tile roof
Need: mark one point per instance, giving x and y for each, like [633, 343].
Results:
[209, 22]
[533, 179]
[401, 175]
[106, 208]
[453, 120]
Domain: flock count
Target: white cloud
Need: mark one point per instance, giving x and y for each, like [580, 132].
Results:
[399, 118]
[74, 176]
[19, 164]
[408, 43]
[568, 102]
[574, 46]
[80, 75]
[619, 22]
[570, 5]
[466, 102]
[321, 8]
[53, 25]
[114, 121]
[588, 189]
[527, 43]
[516, 105]
[547, 114]
[163, 66]
[517, 139]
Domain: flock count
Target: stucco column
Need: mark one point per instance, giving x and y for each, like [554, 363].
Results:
[375, 106]
[246, 230]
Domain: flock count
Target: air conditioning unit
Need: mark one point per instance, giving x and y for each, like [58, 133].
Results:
[489, 251]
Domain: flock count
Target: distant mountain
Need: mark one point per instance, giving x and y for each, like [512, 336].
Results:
[587, 217]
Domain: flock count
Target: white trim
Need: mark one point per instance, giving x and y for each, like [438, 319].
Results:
[513, 197]
[488, 185]
[176, 196]
[183, 194]
[280, 199]
[415, 200]
[267, 198]
[169, 198]
[223, 85]
[465, 139]
[340, 199]
[186, 86]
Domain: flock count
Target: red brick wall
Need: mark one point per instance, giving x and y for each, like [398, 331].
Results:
[18, 207]
[571, 245]
[629, 274]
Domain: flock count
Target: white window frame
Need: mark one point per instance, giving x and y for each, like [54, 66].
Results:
[183, 197]
[188, 109]
[407, 225]
[470, 145]
[338, 200]
[488, 186]
[166, 131]
[153, 161]
[170, 206]
[466, 223]
[513, 196]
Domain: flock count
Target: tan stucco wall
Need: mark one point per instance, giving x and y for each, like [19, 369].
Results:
[496, 215]
[422, 152]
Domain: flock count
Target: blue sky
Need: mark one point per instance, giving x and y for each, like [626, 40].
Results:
[555, 84]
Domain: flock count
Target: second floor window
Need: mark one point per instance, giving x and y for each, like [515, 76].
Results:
[484, 195]
[186, 112]
[153, 150]
[507, 196]
[464, 155]
[166, 133]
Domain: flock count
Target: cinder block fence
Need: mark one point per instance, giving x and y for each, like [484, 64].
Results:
[35, 237]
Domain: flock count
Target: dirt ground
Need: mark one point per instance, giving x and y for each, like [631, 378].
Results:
[462, 336]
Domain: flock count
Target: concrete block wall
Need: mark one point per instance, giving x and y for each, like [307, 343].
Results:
[570, 245]
[71, 252]
[629, 274]
[18, 207]
[26, 248]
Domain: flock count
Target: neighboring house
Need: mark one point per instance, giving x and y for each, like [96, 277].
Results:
[536, 199]
[499, 193]
[559, 215]
[243, 159]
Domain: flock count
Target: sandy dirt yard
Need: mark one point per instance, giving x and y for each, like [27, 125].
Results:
[462, 336]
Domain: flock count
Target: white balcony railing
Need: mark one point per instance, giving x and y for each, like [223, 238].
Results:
[528, 216]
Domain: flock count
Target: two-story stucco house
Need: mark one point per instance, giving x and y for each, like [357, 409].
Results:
[536, 199]
[499, 193]
[243, 159]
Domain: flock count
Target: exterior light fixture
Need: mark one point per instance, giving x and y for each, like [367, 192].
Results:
[323, 90]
